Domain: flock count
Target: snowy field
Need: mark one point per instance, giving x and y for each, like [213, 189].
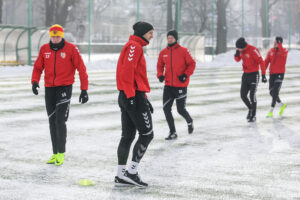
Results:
[225, 158]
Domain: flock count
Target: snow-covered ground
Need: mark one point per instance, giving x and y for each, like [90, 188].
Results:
[226, 157]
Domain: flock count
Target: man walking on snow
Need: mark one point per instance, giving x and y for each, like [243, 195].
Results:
[175, 66]
[251, 60]
[276, 58]
[132, 82]
[59, 58]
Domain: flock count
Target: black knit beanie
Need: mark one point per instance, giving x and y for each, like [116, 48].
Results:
[141, 28]
[279, 39]
[241, 43]
[173, 33]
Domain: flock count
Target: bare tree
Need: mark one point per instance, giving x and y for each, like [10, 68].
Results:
[266, 6]
[197, 15]
[101, 5]
[221, 26]
[57, 11]
[1, 4]
[169, 15]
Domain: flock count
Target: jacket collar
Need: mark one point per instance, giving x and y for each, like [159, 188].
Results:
[138, 40]
[175, 46]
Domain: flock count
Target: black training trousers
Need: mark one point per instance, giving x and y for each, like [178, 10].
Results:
[250, 83]
[139, 119]
[169, 95]
[275, 83]
[58, 105]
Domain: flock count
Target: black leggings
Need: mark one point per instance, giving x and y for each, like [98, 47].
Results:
[58, 106]
[249, 83]
[170, 94]
[275, 83]
[132, 120]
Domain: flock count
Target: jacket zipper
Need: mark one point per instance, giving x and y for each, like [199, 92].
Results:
[171, 66]
[54, 68]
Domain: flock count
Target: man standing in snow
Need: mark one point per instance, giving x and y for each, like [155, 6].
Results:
[132, 82]
[175, 66]
[276, 57]
[251, 61]
[59, 58]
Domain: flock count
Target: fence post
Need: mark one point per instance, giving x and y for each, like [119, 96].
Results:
[29, 32]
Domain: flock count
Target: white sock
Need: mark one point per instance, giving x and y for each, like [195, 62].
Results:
[121, 170]
[272, 108]
[281, 104]
[132, 169]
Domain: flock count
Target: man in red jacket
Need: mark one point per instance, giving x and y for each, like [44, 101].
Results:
[132, 82]
[251, 61]
[59, 59]
[276, 57]
[175, 66]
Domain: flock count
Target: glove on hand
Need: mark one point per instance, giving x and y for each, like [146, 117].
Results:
[264, 79]
[83, 97]
[237, 53]
[35, 85]
[183, 78]
[150, 106]
[161, 78]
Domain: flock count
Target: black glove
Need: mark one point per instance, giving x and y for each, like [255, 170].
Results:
[130, 104]
[83, 97]
[279, 40]
[161, 78]
[237, 53]
[34, 86]
[183, 78]
[264, 79]
[150, 106]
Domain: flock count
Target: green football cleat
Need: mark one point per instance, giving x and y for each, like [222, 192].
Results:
[282, 109]
[270, 114]
[52, 159]
[60, 159]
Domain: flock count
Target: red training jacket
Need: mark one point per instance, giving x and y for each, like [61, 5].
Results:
[60, 66]
[251, 59]
[277, 60]
[173, 62]
[131, 68]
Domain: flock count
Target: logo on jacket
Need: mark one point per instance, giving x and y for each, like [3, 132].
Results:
[247, 55]
[47, 55]
[131, 51]
[63, 55]
[166, 55]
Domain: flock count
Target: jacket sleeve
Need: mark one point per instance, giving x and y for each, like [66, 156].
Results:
[160, 65]
[258, 58]
[79, 65]
[38, 68]
[132, 55]
[267, 60]
[190, 62]
[237, 58]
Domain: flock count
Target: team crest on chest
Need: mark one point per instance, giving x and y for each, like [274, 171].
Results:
[247, 55]
[63, 55]
[47, 55]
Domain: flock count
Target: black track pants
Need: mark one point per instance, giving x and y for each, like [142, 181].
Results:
[275, 83]
[58, 105]
[132, 120]
[169, 95]
[249, 84]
